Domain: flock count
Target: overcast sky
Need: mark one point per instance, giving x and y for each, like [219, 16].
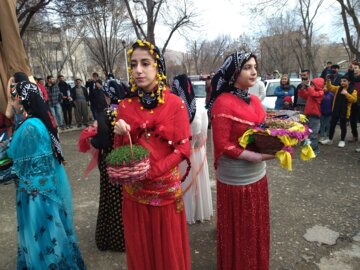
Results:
[230, 17]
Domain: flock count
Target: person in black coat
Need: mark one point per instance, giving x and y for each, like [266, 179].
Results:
[91, 86]
[67, 102]
[326, 71]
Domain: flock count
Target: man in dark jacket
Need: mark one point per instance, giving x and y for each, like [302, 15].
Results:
[81, 99]
[327, 70]
[344, 96]
[67, 102]
[299, 102]
[354, 76]
[334, 76]
[90, 85]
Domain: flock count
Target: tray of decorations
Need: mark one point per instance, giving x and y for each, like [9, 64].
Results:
[286, 115]
[279, 136]
[128, 164]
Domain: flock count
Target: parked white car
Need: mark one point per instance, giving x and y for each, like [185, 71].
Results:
[270, 85]
[200, 92]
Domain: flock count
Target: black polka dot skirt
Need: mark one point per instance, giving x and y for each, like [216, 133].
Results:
[109, 227]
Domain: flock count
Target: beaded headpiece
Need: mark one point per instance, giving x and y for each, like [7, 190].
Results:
[159, 64]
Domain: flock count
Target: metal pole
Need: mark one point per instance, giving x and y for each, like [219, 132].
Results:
[126, 63]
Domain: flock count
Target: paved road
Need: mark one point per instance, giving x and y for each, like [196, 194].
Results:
[317, 197]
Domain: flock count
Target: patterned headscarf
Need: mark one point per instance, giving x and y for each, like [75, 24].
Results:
[226, 76]
[20, 77]
[183, 88]
[149, 100]
[33, 102]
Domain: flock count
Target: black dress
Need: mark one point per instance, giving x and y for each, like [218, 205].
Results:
[109, 233]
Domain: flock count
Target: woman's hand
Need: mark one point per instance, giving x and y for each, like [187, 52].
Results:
[121, 127]
[254, 156]
[267, 157]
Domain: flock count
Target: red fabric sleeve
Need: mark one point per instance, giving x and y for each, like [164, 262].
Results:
[178, 131]
[231, 118]
[221, 135]
[166, 164]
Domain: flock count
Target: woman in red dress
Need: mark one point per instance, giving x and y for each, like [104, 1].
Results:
[243, 231]
[155, 228]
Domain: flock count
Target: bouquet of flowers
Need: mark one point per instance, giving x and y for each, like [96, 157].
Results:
[128, 164]
[278, 136]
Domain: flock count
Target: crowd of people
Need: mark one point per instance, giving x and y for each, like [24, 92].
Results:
[148, 218]
[327, 100]
[65, 101]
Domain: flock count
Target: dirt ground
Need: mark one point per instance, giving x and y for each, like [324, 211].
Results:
[322, 192]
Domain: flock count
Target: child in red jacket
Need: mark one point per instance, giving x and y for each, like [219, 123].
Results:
[287, 103]
[313, 95]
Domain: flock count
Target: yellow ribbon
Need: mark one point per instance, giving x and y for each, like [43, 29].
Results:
[307, 152]
[285, 159]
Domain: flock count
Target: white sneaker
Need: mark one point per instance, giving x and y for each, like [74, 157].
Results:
[357, 150]
[321, 139]
[327, 141]
[341, 144]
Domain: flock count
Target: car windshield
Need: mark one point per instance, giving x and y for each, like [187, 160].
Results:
[271, 88]
[272, 85]
[199, 90]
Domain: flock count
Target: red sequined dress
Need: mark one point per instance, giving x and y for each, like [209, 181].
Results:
[243, 229]
[154, 220]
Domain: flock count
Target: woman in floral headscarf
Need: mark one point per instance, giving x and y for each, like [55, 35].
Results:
[46, 235]
[155, 228]
[242, 192]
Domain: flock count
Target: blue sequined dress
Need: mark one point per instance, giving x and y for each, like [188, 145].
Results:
[46, 236]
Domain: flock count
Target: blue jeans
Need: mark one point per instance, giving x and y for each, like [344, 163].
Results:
[57, 114]
[314, 125]
[325, 125]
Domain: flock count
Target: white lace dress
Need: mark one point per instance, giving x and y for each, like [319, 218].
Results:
[196, 187]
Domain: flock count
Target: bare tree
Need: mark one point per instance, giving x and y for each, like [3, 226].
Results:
[71, 37]
[349, 14]
[205, 56]
[27, 9]
[106, 32]
[145, 15]
[195, 50]
[52, 48]
[187, 63]
[277, 44]
[307, 19]
[305, 49]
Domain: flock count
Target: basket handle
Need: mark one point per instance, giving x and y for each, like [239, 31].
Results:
[131, 149]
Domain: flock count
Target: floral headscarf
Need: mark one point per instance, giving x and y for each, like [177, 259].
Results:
[226, 76]
[149, 100]
[183, 88]
[33, 102]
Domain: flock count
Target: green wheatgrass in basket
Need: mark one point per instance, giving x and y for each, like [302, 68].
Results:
[122, 155]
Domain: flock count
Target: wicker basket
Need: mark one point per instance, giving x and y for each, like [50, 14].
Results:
[129, 172]
[267, 144]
